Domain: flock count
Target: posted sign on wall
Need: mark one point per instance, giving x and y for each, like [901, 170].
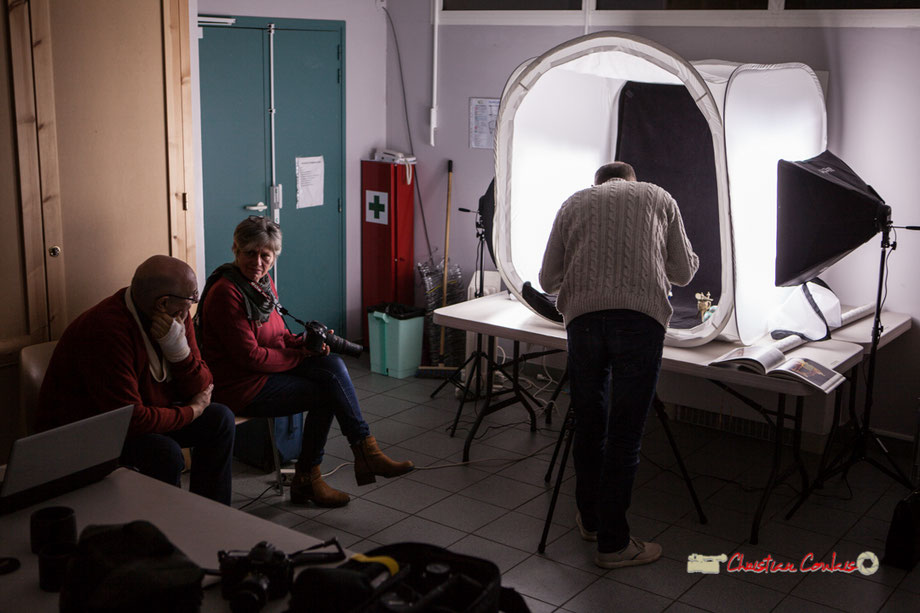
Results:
[376, 207]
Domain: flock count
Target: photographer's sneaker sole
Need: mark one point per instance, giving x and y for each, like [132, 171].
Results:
[638, 552]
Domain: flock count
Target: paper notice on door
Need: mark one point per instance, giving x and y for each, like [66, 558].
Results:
[309, 181]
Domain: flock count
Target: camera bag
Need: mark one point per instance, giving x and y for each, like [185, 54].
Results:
[253, 446]
[129, 568]
[902, 547]
[462, 584]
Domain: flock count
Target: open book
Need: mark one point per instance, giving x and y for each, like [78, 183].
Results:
[772, 362]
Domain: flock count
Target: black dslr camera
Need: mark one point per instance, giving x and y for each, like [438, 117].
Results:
[315, 334]
[250, 578]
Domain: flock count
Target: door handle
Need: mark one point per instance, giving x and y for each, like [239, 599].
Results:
[256, 207]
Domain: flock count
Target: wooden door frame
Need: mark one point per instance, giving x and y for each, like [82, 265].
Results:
[38, 163]
[179, 130]
[36, 140]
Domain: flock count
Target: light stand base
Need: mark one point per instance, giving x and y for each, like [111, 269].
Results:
[857, 449]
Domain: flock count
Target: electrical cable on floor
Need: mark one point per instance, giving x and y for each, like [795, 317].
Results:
[402, 81]
[470, 462]
[257, 498]
[480, 435]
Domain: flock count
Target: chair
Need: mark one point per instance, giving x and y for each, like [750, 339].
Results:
[33, 362]
[279, 481]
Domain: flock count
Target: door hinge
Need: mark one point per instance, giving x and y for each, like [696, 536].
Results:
[184, 201]
[340, 204]
[338, 76]
[338, 52]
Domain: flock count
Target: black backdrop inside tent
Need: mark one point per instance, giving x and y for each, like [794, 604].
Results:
[665, 137]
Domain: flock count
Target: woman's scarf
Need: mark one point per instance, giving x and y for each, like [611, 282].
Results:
[257, 297]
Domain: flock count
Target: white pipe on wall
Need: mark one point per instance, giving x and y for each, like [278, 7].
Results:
[433, 116]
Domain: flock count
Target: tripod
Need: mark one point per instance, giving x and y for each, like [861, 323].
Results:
[478, 355]
[858, 448]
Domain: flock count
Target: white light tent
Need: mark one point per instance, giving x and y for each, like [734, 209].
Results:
[586, 101]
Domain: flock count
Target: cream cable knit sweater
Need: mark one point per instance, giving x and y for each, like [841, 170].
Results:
[619, 245]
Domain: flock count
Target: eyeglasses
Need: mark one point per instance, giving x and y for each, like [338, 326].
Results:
[268, 222]
[193, 298]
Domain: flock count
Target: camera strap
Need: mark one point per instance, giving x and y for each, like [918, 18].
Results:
[275, 302]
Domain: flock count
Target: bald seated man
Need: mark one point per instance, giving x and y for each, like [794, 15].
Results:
[138, 348]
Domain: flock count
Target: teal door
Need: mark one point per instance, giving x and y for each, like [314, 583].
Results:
[304, 61]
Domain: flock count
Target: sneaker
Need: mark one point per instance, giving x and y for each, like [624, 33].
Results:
[588, 535]
[636, 553]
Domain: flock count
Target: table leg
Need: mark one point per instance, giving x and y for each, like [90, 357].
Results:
[777, 458]
[797, 441]
[835, 426]
[518, 390]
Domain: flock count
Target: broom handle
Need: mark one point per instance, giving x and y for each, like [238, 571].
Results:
[450, 180]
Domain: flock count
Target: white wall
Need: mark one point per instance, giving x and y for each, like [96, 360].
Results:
[872, 100]
[365, 106]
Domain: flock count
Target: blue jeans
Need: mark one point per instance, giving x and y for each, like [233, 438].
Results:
[321, 386]
[614, 359]
[210, 437]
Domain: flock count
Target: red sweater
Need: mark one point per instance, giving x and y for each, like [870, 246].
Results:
[101, 363]
[242, 353]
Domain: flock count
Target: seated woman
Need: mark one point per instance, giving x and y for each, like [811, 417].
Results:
[262, 370]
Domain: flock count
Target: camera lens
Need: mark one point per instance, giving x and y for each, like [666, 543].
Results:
[339, 345]
[251, 594]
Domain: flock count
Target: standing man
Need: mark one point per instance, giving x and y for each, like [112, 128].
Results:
[138, 348]
[612, 255]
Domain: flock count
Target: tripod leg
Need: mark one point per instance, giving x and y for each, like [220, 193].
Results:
[568, 422]
[898, 474]
[552, 503]
[453, 378]
[464, 390]
[663, 417]
[548, 415]
[485, 409]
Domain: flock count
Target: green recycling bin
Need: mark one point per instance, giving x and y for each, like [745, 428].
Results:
[395, 339]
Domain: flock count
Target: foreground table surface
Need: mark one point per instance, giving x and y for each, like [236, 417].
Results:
[196, 525]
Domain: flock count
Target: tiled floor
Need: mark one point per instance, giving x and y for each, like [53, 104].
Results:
[495, 507]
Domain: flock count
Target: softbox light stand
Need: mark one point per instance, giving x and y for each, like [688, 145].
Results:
[858, 448]
[478, 355]
[824, 211]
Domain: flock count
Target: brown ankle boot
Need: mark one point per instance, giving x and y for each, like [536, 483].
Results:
[370, 461]
[310, 486]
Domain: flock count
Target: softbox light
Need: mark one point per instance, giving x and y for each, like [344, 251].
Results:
[823, 212]
[487, 213]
